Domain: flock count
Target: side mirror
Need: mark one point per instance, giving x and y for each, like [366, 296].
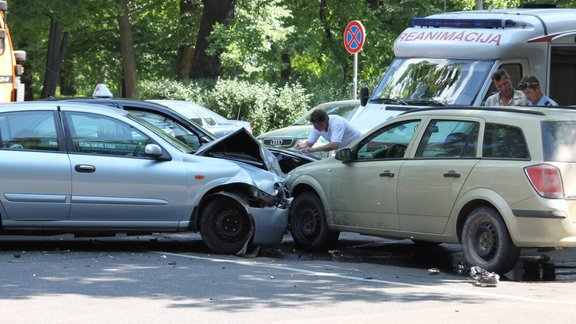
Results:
[364, 96]
[156, 152]
[344, 155]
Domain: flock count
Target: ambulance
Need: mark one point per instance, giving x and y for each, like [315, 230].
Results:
[448, 59]
[11, 87]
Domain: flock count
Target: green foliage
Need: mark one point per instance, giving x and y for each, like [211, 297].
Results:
[270, 43]
[501, 4]
[194, 91]
[87, 23]
[93, 49]
[266, 106]
[252, 46]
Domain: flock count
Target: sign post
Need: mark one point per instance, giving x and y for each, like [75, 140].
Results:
[354, 36]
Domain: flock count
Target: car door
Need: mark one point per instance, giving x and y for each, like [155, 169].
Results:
[429, 184]
[112, 179]
[363, 192]
[34, 167]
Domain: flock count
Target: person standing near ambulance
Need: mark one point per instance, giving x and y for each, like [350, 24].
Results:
[506, 95]
[335, 129]
[531, 88]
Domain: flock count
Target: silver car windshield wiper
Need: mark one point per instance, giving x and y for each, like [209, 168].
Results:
[389, 101]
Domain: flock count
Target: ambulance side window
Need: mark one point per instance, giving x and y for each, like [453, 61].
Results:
[515, 72]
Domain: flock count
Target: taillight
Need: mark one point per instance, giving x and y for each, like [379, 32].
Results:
[546, 179]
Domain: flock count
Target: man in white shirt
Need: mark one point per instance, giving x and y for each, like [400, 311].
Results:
[506, 95]
[335, 129]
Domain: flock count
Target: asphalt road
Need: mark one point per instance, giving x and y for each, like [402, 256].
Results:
[174, 278]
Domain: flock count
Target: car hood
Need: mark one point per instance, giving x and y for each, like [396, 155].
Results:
[241, 146]
[296, 131]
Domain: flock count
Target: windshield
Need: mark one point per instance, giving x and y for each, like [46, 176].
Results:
[169, 138]
[432, 81]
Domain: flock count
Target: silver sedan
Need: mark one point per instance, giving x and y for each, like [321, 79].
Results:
[91, 170]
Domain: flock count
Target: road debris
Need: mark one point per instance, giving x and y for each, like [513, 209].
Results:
[483, 278]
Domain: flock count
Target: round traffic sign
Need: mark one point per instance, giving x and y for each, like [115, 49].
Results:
[354, 36]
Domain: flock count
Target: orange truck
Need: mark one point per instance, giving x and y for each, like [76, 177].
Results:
[11, 69]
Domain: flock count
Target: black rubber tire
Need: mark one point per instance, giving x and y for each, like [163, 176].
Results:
[486, 242]
[225, 226]
[308, 224]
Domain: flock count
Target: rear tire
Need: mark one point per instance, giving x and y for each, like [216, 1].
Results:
[486, 242]
[308, 224]
[225, 226]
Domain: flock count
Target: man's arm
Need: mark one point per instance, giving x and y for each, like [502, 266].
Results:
[327, 147]
[301, 145]
[312, 138]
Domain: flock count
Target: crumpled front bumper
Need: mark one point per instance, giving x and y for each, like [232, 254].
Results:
[270, 224]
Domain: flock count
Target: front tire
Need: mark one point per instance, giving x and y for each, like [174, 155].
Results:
[308, 224]
[486, 242]
[225, 226]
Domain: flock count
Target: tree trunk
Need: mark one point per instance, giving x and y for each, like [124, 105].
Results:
[67, 84]
[203, 65]
[186, 51]
[56, 49]
[329, 44]
[130, 79]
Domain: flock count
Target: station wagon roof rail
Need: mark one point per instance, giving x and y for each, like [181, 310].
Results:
[525, 110]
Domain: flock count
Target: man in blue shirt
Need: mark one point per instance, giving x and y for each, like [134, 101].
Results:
[531, 88]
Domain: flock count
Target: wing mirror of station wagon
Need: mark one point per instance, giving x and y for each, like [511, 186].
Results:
[344, 155]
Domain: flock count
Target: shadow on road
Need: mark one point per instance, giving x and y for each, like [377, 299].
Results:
[534, 265]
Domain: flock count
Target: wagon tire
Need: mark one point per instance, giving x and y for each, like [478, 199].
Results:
[308, 224]
[486, 241]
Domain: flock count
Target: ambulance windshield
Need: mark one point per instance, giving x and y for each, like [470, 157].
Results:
[422, 81]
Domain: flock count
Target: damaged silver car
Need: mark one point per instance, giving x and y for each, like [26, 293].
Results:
[92, 170]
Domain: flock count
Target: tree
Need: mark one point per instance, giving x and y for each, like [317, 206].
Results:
[56, 50]
[205, 65]
[127, 50]
[188, 8]
[254, 45]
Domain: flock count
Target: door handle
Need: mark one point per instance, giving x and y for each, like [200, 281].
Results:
[84, 168]
[387, 173]
[451, 174]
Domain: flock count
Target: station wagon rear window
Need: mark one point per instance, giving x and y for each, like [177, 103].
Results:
[559, 141]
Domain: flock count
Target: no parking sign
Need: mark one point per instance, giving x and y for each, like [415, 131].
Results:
[354, 36]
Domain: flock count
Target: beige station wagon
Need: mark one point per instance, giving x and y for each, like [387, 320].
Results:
[493, 179]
